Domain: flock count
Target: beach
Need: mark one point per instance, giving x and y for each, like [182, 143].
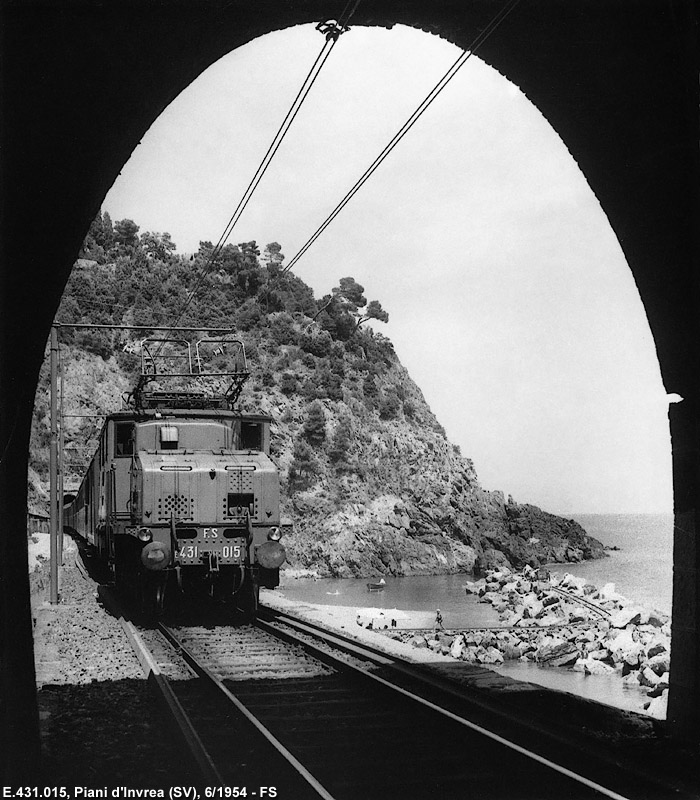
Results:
[344, 619]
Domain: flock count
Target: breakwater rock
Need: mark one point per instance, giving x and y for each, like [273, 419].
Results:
[563, 622]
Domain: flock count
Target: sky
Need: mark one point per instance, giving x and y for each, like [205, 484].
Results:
[510, 301]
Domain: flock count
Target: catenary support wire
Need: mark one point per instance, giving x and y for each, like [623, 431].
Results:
[332, 31]
[410, 122]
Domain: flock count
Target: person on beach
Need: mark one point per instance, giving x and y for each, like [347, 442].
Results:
[438, 621]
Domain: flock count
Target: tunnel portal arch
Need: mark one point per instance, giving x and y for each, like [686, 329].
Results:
[84, 81]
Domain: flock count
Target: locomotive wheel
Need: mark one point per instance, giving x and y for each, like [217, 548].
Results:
[125, 571]
[248, 597]
[151, 598]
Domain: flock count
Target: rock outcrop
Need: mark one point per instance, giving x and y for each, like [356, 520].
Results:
[408, 503]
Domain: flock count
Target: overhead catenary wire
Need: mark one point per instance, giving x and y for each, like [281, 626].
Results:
[481, 37]
[332, 31]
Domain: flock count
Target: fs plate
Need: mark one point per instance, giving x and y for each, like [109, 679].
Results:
[195, 545]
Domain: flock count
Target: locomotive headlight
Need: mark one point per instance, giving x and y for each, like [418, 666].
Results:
[274, 534]
[144, 534]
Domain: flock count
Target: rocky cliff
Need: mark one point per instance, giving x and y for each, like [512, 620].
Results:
[375, 487]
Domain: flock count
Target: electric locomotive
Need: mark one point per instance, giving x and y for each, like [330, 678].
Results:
[181, 494]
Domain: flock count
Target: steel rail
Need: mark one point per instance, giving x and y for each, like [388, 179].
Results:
[604, 613]
[186, 733]
[82, 569]
[205, 673]
[380, 658]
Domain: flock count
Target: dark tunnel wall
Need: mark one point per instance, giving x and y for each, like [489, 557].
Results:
[82, 81]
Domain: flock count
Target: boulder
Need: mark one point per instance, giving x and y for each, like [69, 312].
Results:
[479, 654]
[659, 663]
[532, 608]
[630, 615]
[557, 655]
[656, 650]
[601, 654]
[657, 707]
[658, 690]
[492, 656]
[470, 654]
[511, 651]
[648, 677]
[571, 583]
[457, 647]
[419, 641]
[591, 666]
[608, 593]
[657, 619]
[626, 647]
[599, 668]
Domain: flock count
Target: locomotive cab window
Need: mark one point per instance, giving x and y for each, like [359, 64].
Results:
[169, 437]
[251, 436]
[124, 439]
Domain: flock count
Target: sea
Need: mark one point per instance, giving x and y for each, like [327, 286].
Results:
[641, 570]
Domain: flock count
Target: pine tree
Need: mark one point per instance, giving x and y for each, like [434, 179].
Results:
[341, 441]
[314, 430]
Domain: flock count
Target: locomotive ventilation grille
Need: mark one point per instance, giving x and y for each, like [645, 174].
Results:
[179, 505]
[240, 480]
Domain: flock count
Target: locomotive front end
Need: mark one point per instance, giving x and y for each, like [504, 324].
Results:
[210, 516]
[181, 491]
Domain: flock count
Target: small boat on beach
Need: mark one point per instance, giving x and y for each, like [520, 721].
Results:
[377, 587]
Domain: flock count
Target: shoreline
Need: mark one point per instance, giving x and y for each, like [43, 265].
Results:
[589, 642]
[344, 619]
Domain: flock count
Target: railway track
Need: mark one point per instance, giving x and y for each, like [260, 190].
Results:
[286, 706]
[582, 601]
